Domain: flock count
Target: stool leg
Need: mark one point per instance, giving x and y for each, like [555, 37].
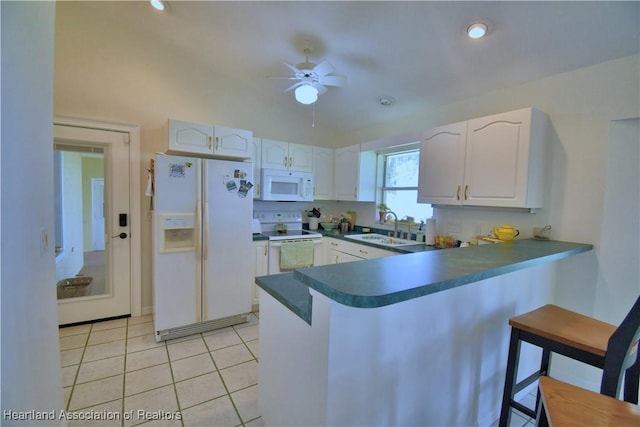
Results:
[544, 370]
[541, 415]
[510, 377]
[631, 381]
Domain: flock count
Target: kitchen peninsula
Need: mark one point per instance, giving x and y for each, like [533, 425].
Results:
[416, 339]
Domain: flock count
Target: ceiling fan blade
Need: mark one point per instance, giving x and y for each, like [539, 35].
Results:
[293, 86]
[323, 68]
[284, 77]
[333, 80]
[321, 89]
[292, 68]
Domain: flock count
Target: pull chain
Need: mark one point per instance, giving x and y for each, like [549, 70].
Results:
[313, 116]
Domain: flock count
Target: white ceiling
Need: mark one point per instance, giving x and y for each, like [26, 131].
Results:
[416, 52]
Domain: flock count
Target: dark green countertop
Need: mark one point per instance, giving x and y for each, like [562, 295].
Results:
[383, 281]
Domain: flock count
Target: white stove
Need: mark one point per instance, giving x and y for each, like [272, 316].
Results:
[282, 227]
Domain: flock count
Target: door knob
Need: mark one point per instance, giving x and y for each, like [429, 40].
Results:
[121, 235]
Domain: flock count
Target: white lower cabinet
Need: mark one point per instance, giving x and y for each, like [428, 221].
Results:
[338, 251]
[260, 266]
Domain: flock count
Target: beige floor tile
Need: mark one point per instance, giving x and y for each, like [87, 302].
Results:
[223, 339]
[193, 366]
[108, 335]
[230, 356]
[199, 389]
[96, 392]
[146, 358]
[246, 401]
[147, 379]
[71, 357]
[143, 342]
[74, 330]
[103, 368]
[103, 351]
[140, 319]
[139, 329]
[240, 376]
[73, 341]
[218, 412]
[253, 347]
[109, 324]
[110, 411]
[69, 375]
[258, 422]
[159, 399]
[248, 333]
[191, 347]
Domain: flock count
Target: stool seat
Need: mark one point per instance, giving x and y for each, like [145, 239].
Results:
[614, 349]
[565, 404]
[566, 327]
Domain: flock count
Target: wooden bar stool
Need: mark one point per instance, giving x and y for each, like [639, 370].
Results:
[588, 340]
[565, 404]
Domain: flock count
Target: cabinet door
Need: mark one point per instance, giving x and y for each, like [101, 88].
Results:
[345, 175]
[257, 164]
[275, 154]
[323, 173]
[235, 143]
[186, 137]
[260, 266]
[300, 157]
[441, 174]
[497, 160]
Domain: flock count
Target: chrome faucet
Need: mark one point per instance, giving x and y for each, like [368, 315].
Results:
[395, 217]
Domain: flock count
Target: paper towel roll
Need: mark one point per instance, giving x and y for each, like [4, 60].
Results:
[430, 232]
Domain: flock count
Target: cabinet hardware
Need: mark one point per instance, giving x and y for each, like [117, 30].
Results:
[466, 190]
[334, 244]
[210, 139]
[217, 143]
[458, 193]
[265, 250]
[285, 161]
[363, 252]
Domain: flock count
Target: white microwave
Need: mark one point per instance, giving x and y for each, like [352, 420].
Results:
[286, 186]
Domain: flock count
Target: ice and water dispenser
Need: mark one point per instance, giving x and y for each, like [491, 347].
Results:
[177, 232]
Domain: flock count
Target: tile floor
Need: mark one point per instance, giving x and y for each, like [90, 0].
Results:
[210, 379]
[115, 368]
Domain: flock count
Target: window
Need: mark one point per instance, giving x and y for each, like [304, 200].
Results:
[400, 185]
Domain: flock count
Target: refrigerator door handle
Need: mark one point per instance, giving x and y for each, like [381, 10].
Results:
[205, 237]
[198, 230]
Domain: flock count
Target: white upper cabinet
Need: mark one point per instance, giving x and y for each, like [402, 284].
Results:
[209, 140]
[442, 164]
[287, 156]
[354, 175]
[503, 161]
[323, 173]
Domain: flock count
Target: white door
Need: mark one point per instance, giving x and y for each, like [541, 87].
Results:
[110, 295]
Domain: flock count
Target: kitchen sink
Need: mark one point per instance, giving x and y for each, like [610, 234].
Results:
[380, 239]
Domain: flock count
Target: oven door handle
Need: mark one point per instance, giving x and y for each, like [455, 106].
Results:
[278, 243]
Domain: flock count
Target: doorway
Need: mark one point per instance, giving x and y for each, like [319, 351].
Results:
[93, 246]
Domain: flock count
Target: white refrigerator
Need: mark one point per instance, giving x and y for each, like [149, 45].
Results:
[201, 244]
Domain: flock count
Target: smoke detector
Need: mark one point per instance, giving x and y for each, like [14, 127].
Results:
[385, 101]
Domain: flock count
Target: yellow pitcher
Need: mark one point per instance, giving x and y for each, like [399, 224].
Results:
[506, 232]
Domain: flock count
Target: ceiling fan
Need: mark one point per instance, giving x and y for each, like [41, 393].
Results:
[313, 79]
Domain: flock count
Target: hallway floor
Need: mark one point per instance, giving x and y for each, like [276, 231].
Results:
[116, 368]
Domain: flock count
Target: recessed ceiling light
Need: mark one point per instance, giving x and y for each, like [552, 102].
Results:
[158, 4]
[477, 30]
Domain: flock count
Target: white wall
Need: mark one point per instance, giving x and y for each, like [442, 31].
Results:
[31, 376]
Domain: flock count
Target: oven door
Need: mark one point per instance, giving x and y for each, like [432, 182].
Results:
[274, 253]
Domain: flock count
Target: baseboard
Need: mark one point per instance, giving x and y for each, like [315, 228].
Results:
[147, 310]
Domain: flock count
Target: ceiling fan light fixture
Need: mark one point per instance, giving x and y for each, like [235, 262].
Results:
[306, 94]
[386, 101]
[477, 30]
[158, 4]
